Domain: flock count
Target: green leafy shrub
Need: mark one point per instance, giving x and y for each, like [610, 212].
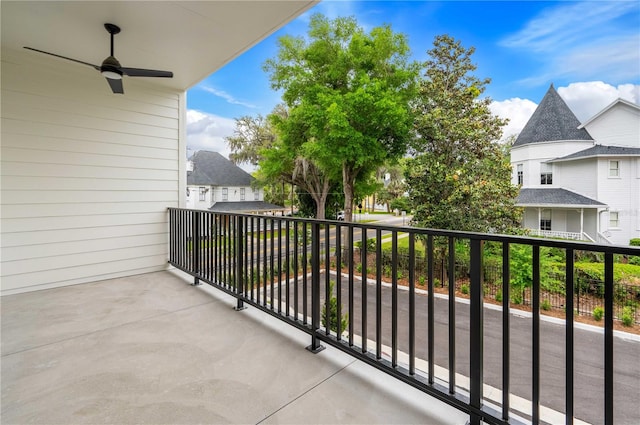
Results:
[464, 288]
[627, 316]
[499, 295]
[546, 305]
[371, 244]
[634, 242]
[422, 280]
[598, 313]
[333, 313]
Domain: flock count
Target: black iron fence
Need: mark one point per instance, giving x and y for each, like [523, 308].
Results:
[371, 291]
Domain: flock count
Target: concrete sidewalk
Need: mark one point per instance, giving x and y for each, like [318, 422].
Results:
[153, 349]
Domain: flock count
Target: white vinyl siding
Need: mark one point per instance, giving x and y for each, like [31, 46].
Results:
[87, 175]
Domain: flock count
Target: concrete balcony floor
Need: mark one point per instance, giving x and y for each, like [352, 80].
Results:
[153, 349]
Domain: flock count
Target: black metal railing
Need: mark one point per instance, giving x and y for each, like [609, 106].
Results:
[393, 298]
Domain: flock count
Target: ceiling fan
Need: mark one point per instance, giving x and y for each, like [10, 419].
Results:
[111, 68]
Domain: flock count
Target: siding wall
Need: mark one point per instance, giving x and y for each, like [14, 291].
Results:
[86, 175]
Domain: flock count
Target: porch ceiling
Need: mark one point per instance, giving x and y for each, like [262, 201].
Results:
[191, 39]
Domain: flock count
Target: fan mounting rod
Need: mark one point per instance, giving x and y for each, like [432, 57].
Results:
[113, 30]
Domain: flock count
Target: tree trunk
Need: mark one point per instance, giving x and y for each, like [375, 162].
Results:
[347, 183]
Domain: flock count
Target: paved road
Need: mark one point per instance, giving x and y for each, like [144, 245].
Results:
[588, 389]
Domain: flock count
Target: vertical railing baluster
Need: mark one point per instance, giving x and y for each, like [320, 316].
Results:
[295, 270]
[378, 294]
[430, 313]
[265, 262]
[394, 298]
[569, 351]
[195, 246]
[452, 315]
[506, 332]
[327, 280]
[271, 265]
[315, 288]
[363, 287]
[287, 266]
[608, 338]
[239, 254]
[305, 268]
[338, 251]
[412, 305]
[279, 266]
[351, 319]
[535, 344]
[476, 340]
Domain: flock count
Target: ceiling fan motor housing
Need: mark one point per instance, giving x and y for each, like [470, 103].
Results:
[111, 66]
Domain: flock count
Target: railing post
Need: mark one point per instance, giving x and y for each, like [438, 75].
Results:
[195, 245]
[239, 281]
[315, 346]
[476, 336]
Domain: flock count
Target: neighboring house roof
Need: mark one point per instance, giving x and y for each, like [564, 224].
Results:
[245, 206]
[213, 169]
[551, 121]
[599, 150]
[610, 106]
[554, 198]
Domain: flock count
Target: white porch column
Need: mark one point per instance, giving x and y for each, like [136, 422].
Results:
[581, 222]
[539, 217]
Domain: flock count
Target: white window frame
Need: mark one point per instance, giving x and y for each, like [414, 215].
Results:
[614, 172]
[520, 174]
[202, 194]
[545, 215]
[225, 194]
[256, 195]
[546, 174]
[242, 190]
[614, 219]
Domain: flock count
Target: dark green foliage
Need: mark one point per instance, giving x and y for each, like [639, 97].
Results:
[333, 313]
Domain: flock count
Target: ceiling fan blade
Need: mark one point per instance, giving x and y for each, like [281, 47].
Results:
[138, 72]
[116, 85]
[64, 57]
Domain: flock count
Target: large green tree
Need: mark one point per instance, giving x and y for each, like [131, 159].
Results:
[459, 177]
[348, 93]
[279, 160]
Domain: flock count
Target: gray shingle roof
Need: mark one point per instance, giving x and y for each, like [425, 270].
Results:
[245, 206]
[211, 168]
[548, 196]
[600, 150]
[551, 121]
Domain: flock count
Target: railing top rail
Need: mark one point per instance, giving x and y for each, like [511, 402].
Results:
[419, 231]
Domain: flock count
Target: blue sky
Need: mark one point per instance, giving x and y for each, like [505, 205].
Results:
[590, 50]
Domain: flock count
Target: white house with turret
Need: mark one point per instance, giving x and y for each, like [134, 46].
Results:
[580, 180]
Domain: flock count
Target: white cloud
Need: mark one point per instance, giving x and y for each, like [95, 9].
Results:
[582, 41]
[517, 110]
[588, 98]
[584, 98]
[226, 96]
[207, 132]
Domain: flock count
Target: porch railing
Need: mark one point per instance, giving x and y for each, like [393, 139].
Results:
[333, 281]
[556, 234]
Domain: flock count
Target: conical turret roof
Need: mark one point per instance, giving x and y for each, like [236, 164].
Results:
[552, 121]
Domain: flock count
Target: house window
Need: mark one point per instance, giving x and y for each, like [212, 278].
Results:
[614, 219]
[202, 192]
[520, 174]
[242, 193]
[546, 176]
[256, 195]
[545, 220]
[614, 168]
[225, 194]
